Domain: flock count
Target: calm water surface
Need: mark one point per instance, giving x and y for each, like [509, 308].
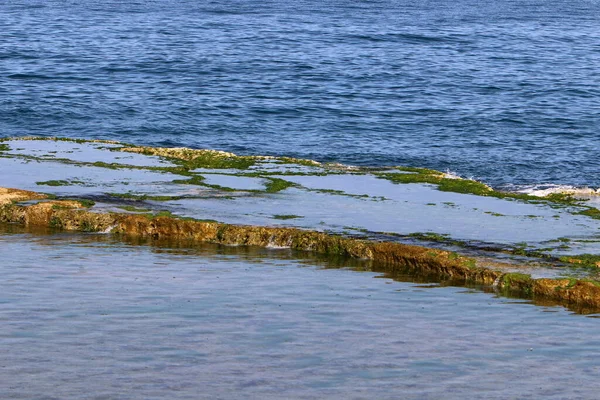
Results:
[89, 317]
[506, 91]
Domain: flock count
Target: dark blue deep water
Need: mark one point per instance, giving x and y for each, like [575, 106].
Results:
[506, 91]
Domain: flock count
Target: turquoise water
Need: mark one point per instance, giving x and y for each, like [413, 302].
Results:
[505, 91]
[86, 316]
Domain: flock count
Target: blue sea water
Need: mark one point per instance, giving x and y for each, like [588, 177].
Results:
[505, 91]
[87, 317]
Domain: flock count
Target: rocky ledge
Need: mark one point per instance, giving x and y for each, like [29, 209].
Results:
[33, 209]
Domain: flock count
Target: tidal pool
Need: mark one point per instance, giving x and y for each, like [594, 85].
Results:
[91, 316]
[336, 198]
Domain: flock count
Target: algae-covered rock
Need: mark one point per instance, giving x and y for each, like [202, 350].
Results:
[192, 158]
[64, 214]
[182, 153]
[517, 282]
[395, 257]
[8, 196]
[570, 291]
[164, 227]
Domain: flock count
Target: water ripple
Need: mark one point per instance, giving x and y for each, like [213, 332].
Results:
[506, 91]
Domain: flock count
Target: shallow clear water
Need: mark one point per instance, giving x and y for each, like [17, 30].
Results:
[505, 91]
[88, 316]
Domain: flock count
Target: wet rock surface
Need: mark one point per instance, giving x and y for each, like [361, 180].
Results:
[496, 239]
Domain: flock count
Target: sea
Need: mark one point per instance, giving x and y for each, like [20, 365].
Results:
[90, 317]
[502, 91]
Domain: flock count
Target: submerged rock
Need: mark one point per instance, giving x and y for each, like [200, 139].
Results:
[73, 215]
[370, 213]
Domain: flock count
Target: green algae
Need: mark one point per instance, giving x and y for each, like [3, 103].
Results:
[430, 236]
[464, 186]
[60, 183]
[592, 281]
[87, 226]
[560, 240]
[152, 215]
[194, 180]
[59, 207]
[98, 164]
[262, 174]
[419, 175]
[200, 180]
[55, 223]
[134, 209]
[102, 164]
[517, 282]
[275, 185]
[87, 203]
[417, 170]
[590, 212]
[299, 161]
[143, 197]
[188, 159]
[584, 260]
[161, 213]
[223, 188]
[516, 277]
[518, 249]
[62, 139]
[573, 281]
[286, 216]
[191, 159]
[346, 194]
[523, 249]
[53, 183]
[336, 192]
[215, 161]
[467, 186]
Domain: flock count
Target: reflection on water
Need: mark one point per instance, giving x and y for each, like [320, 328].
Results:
[90, 314]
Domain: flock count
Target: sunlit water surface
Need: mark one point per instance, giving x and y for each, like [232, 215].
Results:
[90, 317]
[506, 91]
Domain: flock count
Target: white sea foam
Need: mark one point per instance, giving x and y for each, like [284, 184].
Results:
[545, 190]
[109, 229]
[452, 175]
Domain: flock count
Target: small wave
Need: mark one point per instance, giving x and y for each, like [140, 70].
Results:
[28, 76]
[545, 190]
[412, 38]
[453, 175]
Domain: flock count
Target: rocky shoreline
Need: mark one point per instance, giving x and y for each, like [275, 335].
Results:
[34, 209]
